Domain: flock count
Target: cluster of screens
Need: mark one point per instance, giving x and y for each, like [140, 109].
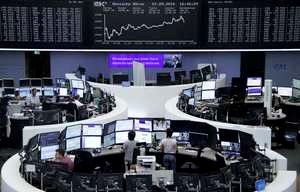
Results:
[296, 88]
[230, 142]
[204, 92]
[254, 86]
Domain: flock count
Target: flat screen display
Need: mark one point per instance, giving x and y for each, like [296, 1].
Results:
[198, 139]
[63, 91]
[8, 83]
[73, 144]
[49, 139]
[48, 91]
[208, 95]
[124, 60]
[285, 91]
[109, 140]
[91, 142]
[24, 83]
[109, 128]
[181, 137]
[48, 152]
[92, 130]
[143, 137]
[160, 135]
[296, 83]
[47, 82]
[230, 148]
[36, 82]
[61, 82]
[296, 93]
[254, 91]
[172, 61]
[124, 125]
[208, 85]
[254, 82]
[76, 91]
[78, 84]
[73, 131]
[198, 96]
[121, 137]
[142, 125]
[9, 92]
[161, 125]
[188, 92]
[24, 92]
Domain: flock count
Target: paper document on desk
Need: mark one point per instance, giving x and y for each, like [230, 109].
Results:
[208, 154]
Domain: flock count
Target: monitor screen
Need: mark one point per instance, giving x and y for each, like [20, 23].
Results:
[73, 144]
[159, 135]
[197, 96]
[254, 82]
[230, 148]
[124, 125]
[8, 83]
[198, 139]
[161, 125]
[89, 142]
[109, 140]
[47, 82]
[24, 92]
[296, 83]
[208, 95]
[78, 84]
[109, 128]
[73, 131]
[92, 129]
[36, 82]
[121, 137]
[254, 91]
[208, 85]
[285, 91]
[77, 92]
[142, 125]
[49, 139]
[172, 61]
[229, 135]
[181, 137]
[9, 92]
[296, 93]
[60, 82]
[63, 91]
[48, 152]
[24, 82]
[143, 137]
[49, 91]
[188, 92]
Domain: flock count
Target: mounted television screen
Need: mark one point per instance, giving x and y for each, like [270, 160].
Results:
[161, 124]
[172, 61]
[142, 125]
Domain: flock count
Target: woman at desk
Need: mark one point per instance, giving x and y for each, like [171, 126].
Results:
[169, 146]
[33, 99]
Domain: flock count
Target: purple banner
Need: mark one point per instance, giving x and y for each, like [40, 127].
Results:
[126, 60]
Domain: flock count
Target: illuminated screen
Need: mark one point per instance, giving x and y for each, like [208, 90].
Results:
[63, 92]
[159, 135]
[121, 137]
[208, 95]
[49, 139]
[24, 92]
[254, 91]
[91, 142]
[232, 147]
[161, 125]
[109, 128]
[296, 93]
[188, 92]
[109, 140]
[77, 92]
[49, 91]
[181, 137]
[124, 125]
[92, 130]
[73, 131]
[78, 84]
[126, 59]
[208, 85]
[48, 152]
[254, 82]
[172, 61]
[285, 91]
[142, 125]
[143, 137]
[73, 144]
[24, 83]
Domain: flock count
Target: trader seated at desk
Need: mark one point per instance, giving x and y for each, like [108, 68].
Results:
[60, 157]
[169, 147]
[33, 99]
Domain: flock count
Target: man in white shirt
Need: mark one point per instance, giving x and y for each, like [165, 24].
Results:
[33, 99]
[128, 148]
[169, 147]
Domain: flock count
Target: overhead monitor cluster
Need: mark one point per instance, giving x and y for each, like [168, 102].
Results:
[141, 24]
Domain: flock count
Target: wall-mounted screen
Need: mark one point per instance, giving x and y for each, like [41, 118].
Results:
[142, 125]
[161, 125]
[126, 59]
[173, 61]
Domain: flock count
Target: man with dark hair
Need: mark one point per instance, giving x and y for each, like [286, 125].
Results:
[128, 148]
[33, 99]
[169, 147]
[62, 158]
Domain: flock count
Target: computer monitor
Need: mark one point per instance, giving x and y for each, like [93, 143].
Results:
[48, 152]
[124, 125]
[121, 137]
[163, 78]
[230, 148]
[198, 96]
[92, 130]
[24, 92]
[296, 93]
[254, 82]
[63, 92]
[206, 72]
[208, 85]
[188, 92]
[229, 135]
[254, 91]
[109, 128]
[198, 139]
[109, 140]
[208, 95]
[36, 82]
[285, 91]
[49, 139]
[296, 83]
[73, 144]
[61, 82]
[76, 91]
[159, 135]
[8, 83]
[179, 75]
[91, 142]
[181, 137]
[47, 82]
[48, 91]
[143, 137]
[142, 125]
[77, 84]
[119, 78]
[161, 124]
[196, 76]
[24, 82]
[10, 92]
[73, 131]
